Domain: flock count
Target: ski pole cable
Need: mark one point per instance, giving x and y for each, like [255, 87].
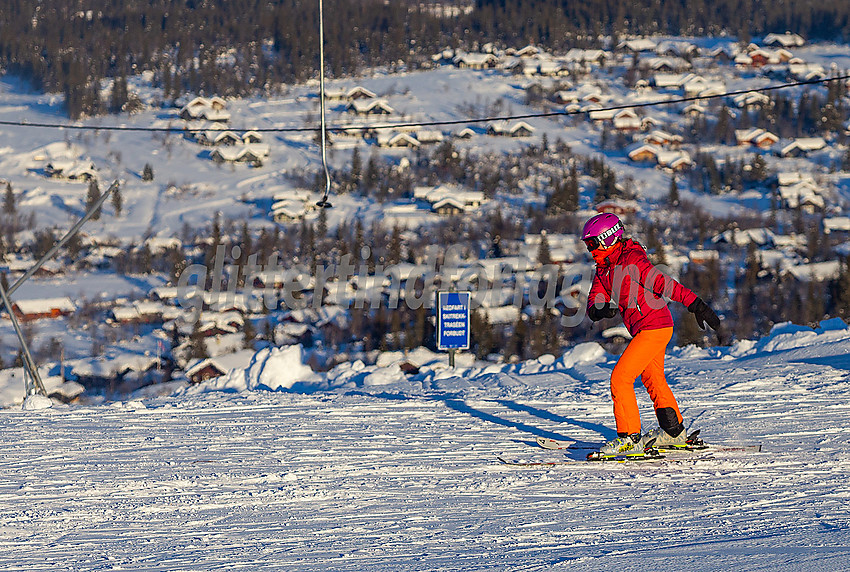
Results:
[463, 121]
[323, 202]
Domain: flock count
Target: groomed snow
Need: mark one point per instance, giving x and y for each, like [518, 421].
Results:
[374, 470]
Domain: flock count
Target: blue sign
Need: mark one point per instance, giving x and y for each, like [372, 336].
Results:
[453, 320]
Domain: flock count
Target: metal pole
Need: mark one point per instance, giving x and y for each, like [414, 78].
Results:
[62, 241]
[324, 201]
[29, 364]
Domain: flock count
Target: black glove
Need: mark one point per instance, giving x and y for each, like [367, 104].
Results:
[600, 311]
[704, 314]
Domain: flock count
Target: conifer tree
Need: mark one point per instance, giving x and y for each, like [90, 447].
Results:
[9, 206]
[120, 94]
[544, 253]
[92, 197]
[322, 224]
[215, 241]
[482, 334]
[842, 289]
[519, 338]
[655, 247]
[370, 180]
[395, 246]
[673, 197]
[356, 168]
[249, 334]
[117, 201]
[198, 342]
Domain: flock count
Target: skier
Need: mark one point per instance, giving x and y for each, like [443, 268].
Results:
[626, 280]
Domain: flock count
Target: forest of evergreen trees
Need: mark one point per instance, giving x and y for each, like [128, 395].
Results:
[237, 47]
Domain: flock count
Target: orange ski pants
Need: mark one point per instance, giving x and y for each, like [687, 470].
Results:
[644, 357]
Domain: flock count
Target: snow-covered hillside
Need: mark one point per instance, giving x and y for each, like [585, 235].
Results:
[400, 473]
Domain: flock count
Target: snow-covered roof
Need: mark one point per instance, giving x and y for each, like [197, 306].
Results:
[501, 314]
[507, 128]
[787, 178]
[660, 137]
[638, 45]
[804, 145]
[159, 244]
[370, 106]
[449, 201]
[836, 224]
[674, 159]
[474, 59]
[602, 114]
[388, 138]
[45, 305]
[586, 55]
[112, 364]
[755, 136]
[436, 194]
[677, 80]
[223, 363]
[760, 236]
[235, 153]
[643, 149]
[695, 255]
[786, 40]
[429, 136]
[819, 271]
[750, 98]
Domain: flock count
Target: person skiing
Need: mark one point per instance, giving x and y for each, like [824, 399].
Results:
[626, 281]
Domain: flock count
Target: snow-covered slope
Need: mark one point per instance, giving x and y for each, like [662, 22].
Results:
[339, 473]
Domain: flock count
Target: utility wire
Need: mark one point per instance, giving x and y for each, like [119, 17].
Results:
[466, 121]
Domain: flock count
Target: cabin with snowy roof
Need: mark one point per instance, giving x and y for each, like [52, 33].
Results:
[503, 128]
[369, 107]
[756, 137]
[36, 309]
[352, 94]
[241, 153]
[392, 139]
[475, 61]
[209, 109]
[200, 370]
[644, 152]
[802, 146]
[786, 40]
[71, 169]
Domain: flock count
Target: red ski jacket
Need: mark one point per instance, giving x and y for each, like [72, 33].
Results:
[639, 288]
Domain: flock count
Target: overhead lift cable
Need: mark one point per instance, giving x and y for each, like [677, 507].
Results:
[464, 121]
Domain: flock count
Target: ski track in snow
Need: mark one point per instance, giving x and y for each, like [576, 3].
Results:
[352, 480]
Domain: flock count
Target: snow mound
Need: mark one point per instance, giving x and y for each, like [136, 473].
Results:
[418, 357]
[273, 369]
[358, 375]
[36, 402]
[787, 336]
[589, 352]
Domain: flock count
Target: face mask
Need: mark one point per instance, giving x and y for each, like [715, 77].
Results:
[600, 254]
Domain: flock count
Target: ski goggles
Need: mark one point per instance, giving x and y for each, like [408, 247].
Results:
[592, 243]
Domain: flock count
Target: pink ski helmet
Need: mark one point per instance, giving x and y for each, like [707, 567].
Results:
[603, 230]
